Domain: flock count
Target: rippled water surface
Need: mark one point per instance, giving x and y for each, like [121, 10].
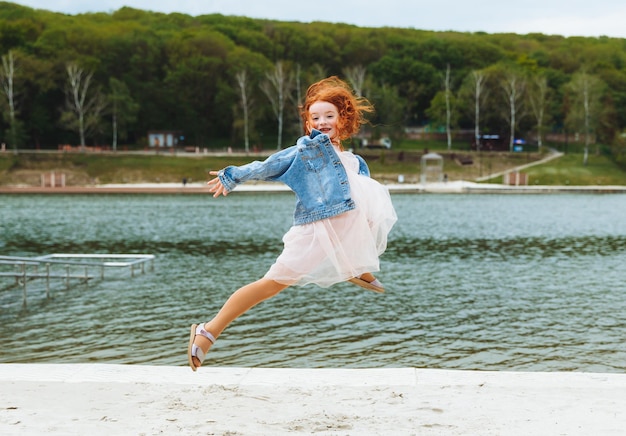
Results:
[490, 282]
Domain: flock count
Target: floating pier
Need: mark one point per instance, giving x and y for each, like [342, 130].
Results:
[66, 266]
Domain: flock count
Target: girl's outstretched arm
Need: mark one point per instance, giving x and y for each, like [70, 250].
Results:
[215, 185]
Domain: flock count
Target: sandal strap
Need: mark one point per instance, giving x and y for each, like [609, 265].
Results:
[196, 351]
[202, 332]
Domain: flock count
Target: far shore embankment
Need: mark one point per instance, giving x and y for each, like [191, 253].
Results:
[453, 187]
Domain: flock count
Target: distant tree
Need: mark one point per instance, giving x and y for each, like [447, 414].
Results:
[539, 98]
[318, 72]
[123, 110]
[513, 87]
[441, 113]
[586, 92]
[7, 79]
[247, 68]
[389, 106]
[246, 104]
[198, 85]
[474, 91]
[83, 106]
[356, 77]
[447, 86]
[297, 98]
[277, 87]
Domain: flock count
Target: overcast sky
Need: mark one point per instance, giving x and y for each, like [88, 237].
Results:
[554, 17]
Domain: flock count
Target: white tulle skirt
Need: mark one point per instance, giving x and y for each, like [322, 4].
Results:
[336, 249]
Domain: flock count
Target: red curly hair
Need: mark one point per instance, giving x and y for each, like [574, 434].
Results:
[352, 109]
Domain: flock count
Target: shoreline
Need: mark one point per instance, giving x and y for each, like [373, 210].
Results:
[455, 187]
[103, 399]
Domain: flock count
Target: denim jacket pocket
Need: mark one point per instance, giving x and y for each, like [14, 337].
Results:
[313, 159]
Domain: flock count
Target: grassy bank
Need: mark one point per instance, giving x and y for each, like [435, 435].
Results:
[569, 170]
[386, 165]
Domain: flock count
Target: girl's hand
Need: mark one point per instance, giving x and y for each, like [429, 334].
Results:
[215, 185]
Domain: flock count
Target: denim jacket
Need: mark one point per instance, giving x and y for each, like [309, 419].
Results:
[311, 168]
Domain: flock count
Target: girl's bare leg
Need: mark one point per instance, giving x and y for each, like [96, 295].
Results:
[242, 300]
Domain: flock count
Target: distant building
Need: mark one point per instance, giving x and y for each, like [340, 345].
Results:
[164, 138]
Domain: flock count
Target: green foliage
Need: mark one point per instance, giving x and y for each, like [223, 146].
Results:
[15, 134]
[437, 110]
[180, 71]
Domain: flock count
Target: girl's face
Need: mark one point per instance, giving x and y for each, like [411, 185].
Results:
[324, 116]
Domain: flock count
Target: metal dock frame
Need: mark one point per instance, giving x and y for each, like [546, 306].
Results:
[28, 267]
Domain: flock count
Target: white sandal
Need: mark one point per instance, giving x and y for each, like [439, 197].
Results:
[193, 350]
[374, 285]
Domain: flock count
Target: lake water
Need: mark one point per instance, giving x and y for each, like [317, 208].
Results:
[486, 282]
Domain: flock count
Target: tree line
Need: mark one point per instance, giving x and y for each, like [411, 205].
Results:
[109, 78]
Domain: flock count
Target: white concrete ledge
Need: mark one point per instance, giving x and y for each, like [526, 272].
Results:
[100, 399]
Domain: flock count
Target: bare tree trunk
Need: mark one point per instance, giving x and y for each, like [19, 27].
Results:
[242, 81]
[447, 87]
[85, 110]
[7, 76]
[78, 90]
[586, 107]
[587, 90]
[319, 72]
[123, 109]
[277, 88]
[479, 84]
[114, 122]
[356, 77]
[512, 122]
[538, 98]
[299, 97]
[513, 86]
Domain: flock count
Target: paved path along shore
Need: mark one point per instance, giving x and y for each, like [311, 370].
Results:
[101, 399]
[456, 187]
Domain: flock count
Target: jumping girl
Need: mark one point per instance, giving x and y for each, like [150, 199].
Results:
[342, 216]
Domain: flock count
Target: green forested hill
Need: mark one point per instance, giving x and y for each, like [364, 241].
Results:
[152, 71]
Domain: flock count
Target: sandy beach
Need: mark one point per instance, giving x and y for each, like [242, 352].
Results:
[102, 399]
